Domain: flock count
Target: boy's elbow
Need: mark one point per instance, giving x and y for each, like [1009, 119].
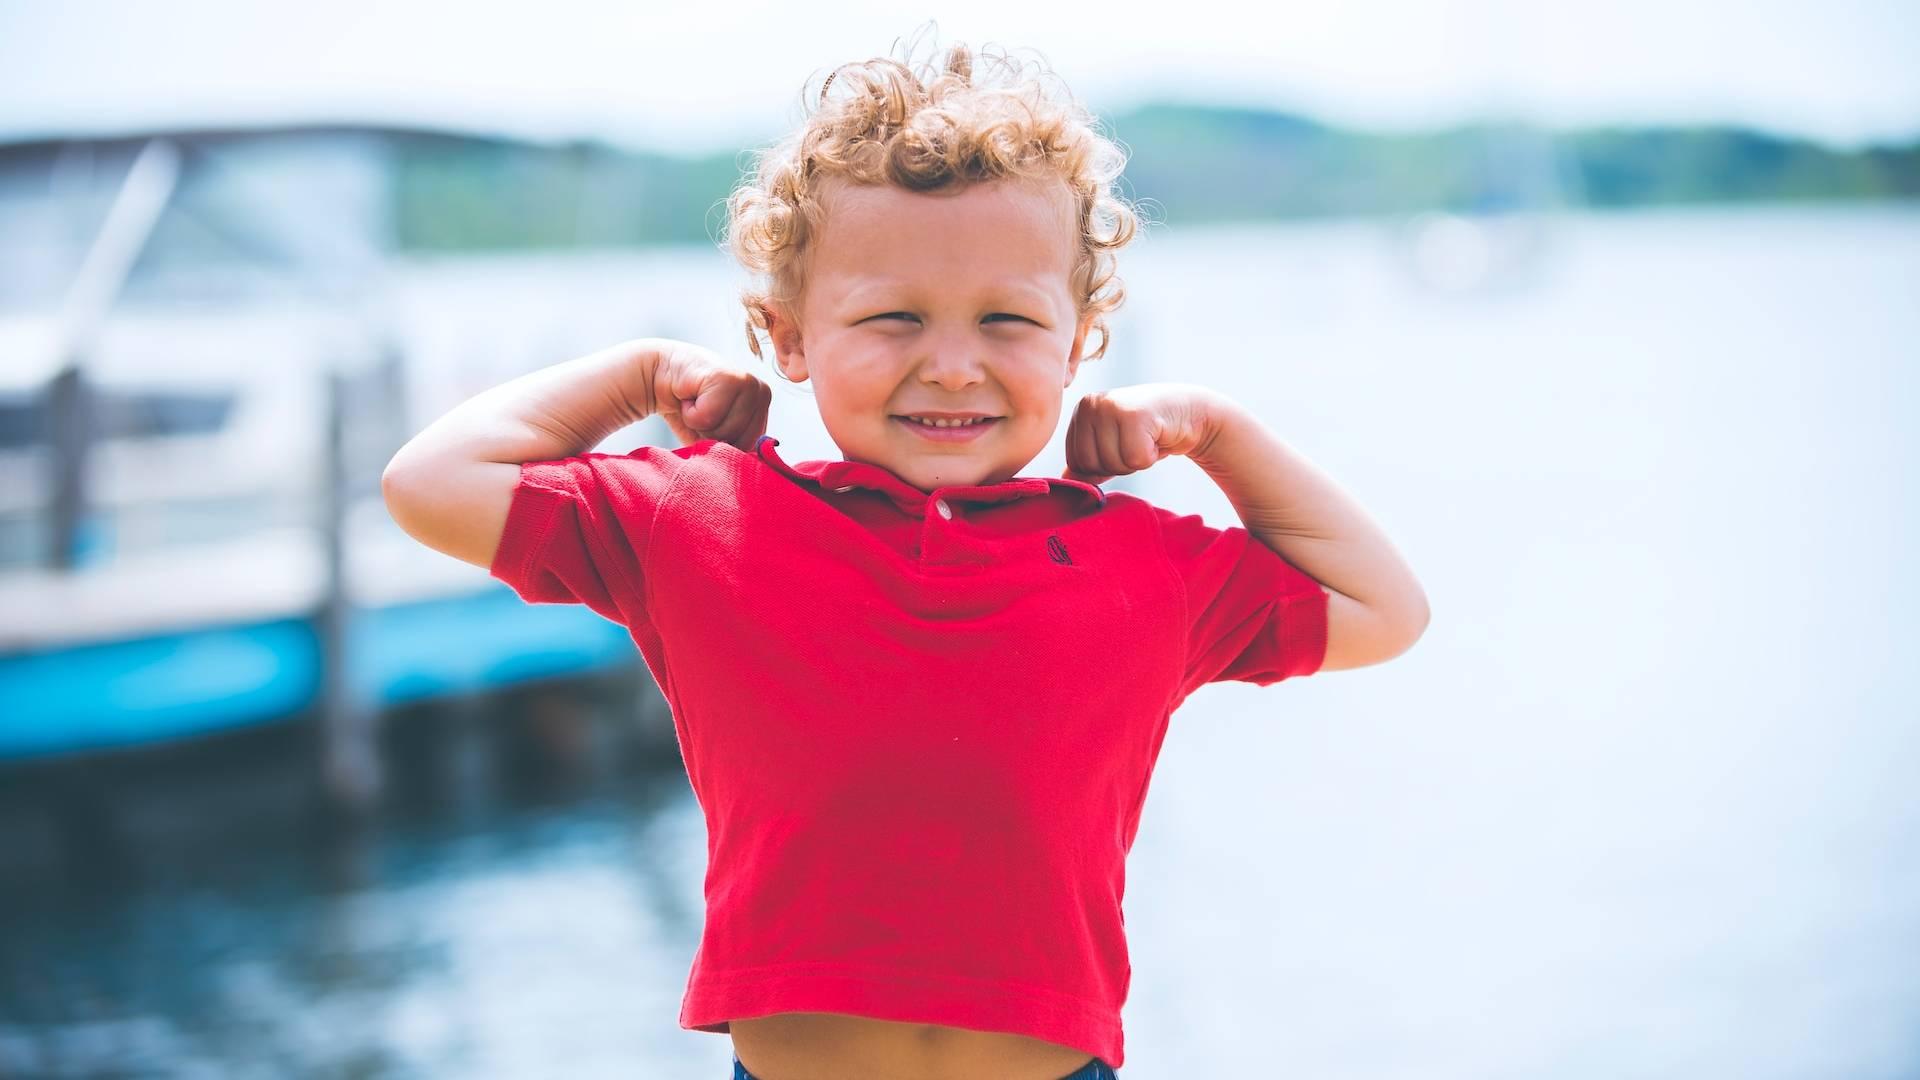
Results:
[413, 491]
[1360, 635]
[453, 505]
[395, 473]
[1401, 627]
[1413, 624]
[397, 491]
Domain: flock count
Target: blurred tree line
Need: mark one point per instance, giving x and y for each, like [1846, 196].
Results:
[1196, 164]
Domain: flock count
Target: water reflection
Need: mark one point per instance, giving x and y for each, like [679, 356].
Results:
[530, 895]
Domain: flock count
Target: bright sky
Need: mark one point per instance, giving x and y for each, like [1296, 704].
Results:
[694, 77]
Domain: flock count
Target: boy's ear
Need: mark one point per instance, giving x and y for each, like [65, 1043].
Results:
[1079, 345]
[789, 351]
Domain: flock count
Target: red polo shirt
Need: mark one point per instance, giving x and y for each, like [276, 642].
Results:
[920, 725]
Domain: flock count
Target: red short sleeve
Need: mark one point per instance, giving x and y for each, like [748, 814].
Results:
[578, 528]
[1252, 616]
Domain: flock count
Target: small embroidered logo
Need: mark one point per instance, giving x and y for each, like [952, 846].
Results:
[1058, 549]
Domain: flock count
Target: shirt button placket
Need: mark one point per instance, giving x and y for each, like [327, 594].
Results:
[935, 544]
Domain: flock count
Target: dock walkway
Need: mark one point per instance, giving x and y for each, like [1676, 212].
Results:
[176, 642]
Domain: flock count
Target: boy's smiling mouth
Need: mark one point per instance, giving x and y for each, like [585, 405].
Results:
[946, 426]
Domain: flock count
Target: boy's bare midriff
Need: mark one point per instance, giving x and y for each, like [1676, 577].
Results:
[836, 1046]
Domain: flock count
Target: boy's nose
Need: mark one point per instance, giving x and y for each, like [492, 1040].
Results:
[953, 366]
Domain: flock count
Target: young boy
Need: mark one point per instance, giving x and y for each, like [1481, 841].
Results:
[919, 696]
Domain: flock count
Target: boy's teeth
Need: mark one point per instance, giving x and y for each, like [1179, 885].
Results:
[946, 423]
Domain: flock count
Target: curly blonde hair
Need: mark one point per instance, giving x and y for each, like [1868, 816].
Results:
[973, 117]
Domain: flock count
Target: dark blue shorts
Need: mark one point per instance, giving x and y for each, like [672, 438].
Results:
[1092, 1070]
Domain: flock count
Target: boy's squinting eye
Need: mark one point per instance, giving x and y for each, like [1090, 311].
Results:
[995, 315]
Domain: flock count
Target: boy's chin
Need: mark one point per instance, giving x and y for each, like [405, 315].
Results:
[954, 472]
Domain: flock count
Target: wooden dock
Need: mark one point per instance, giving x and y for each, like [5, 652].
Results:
[168, 644]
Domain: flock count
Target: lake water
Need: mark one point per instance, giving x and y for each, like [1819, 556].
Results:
[1645, 800]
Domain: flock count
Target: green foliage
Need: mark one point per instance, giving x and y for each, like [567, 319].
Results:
[457, 193]
[1194, 163]
[1692, 165]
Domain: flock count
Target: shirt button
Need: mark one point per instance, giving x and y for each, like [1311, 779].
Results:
[945, 510]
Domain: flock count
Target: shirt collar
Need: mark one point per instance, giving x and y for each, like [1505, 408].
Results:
[846, 475]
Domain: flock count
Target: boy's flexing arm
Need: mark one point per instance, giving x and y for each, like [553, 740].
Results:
[450, 486]
[1376, 608]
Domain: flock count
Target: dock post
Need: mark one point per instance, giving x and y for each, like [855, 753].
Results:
[350, 770]
[68, 436]
[137, 206]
